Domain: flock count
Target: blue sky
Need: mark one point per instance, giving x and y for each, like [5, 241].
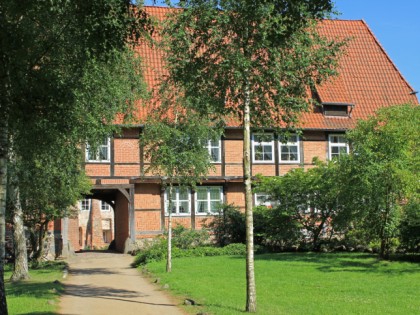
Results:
[396, 24]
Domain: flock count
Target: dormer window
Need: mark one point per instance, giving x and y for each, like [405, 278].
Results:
[337, 109]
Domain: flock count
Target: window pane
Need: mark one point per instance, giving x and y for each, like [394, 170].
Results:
[335, 150]
[214, 206]
[343, 150]
[293, 153]
[268, 154]
[202, 207]
[215, 193]
[214, 143]
[293, 139]
[183, 194]
[183, 207]
[258, 153]
[215, 154]
[103, 153]
[201, 193]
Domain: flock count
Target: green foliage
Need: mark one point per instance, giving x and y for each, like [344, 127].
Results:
[68, 72]
[215, 49]
[185, 238]
[276, 229]
[410, 226]
[384, 170]
[157, 251]
[174, 145]
[228, 226]
[308, 200]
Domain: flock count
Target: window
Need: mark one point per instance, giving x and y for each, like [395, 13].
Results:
[85, 204]
[337, 146]
[262, 199]
[208, 199]
[102, 154]
[213, 147]
[263, 148]
[181, 201]
[290, 150]
[105, 206]
[335, 110]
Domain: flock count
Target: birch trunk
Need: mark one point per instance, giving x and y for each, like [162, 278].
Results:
[21, 271]
[3, 187]
[251, 295]
[169, 254]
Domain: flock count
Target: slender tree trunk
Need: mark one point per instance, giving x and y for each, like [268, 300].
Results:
[169, 254]
[384, 250]
[21, 271]
[3, 187]
[251, 295]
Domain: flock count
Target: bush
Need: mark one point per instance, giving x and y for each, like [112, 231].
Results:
[276, 229]
[228, 226]
[185, 238]
[158, 250]
[410, 227]
[154, 251]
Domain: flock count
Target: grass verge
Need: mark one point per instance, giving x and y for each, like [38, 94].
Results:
[297, 283]
[39, 295]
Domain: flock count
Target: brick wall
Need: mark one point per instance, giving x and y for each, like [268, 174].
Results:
[121, 222]
[98, 169]
[126, 150]
[73, 234]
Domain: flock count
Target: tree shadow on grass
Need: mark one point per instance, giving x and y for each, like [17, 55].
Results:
[339, 262]
[46, 290]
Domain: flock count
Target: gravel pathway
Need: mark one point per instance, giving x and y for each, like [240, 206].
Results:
[104, 283]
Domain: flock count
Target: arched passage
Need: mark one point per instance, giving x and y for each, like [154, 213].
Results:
[121, 199]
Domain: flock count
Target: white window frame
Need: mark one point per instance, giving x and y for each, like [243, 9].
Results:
[256, 144]
[209, 147]
[336, 144]
[82, 205]
[176, 201]
[106, 207]
[97, 159]
[267, 202]
[290, 144]
[208, 200]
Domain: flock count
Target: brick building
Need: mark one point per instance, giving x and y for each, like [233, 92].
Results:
[368, 80]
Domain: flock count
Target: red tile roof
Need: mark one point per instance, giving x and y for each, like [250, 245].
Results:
[367, 78]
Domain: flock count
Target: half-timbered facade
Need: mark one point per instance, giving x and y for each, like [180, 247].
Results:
[368, 80]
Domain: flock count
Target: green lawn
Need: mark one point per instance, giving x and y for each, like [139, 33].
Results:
[298, 283]
[39, 295]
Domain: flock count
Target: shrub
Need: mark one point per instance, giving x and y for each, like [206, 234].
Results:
[157, 252]
[154, 251]
[410, 227]
[228, 226]
[275, 229]
[185, 238]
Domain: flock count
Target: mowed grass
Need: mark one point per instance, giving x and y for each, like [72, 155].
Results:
[39, 295]
[297, 283]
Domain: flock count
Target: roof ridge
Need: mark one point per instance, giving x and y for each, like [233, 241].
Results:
[386, 55]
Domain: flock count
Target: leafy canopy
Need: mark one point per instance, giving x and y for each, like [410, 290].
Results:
[216, 48]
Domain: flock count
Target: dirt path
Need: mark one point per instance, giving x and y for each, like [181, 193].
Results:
[104, 283]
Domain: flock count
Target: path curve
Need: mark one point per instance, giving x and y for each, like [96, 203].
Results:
[104, 283]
